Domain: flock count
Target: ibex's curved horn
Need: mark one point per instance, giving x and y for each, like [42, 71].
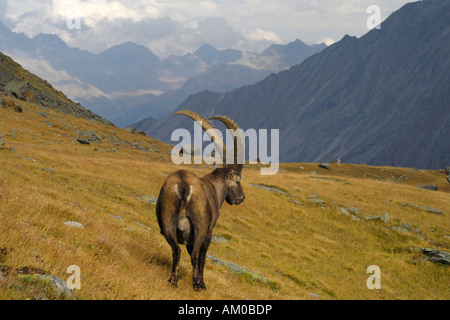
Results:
[238, 140]
[207, 127]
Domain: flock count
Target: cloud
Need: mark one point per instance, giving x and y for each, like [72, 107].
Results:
[217, 32]
[180, 26]
[261, 35]
[105, 34]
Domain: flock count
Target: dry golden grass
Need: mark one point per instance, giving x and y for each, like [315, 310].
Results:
[301, 249]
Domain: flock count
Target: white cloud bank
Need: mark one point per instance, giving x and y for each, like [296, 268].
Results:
[177, 27]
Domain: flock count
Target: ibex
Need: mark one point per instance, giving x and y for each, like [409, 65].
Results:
[188, 206]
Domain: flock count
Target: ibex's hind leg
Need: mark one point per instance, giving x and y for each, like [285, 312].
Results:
[194, 251]
[176, 260]
[198, 257]
[201, 262]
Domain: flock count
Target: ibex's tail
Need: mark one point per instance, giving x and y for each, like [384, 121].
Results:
[183, 221]
[184, 225]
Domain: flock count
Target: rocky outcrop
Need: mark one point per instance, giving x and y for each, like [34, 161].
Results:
[436, 256]
[20, 84]
[429, 209]
[234, 268]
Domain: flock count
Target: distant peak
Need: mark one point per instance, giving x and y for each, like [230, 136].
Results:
[296, 43]
[52, 40]
[205, 48]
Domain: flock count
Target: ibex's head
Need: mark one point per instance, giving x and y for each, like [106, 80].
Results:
[235, 193]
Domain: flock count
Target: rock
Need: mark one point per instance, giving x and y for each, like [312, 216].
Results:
[344, 211]
[271, 189]
[429, 209]
[325, 166]
[384, 217]
[21, 90]
[134, 130]
[83, 141]
[336, 161]
[234, 268]
[49, 170]
[397, 228]
[148, 199]
[58, 284]
[356, 218]
[295, 202]
[2, 143]
[429, 187]
[91, 136]
[219, 239]
[74, 224]
[448, 178]
[314, 295]
[436, 256]
[447, 170]
[354, 210]
[321, 201]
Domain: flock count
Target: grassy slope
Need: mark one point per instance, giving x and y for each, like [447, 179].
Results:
[302, 249]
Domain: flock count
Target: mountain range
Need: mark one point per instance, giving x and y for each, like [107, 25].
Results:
[128, 82]
[382, 99]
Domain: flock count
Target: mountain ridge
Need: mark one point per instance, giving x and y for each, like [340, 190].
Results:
[380, 99]
[102, 80]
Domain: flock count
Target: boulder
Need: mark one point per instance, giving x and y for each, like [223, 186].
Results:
[274, 189]
[325, 166]
[448, 178]
[429, 187]
[58, 284]
[74, 224]
[429, 209]
[134, 130]
[436, 256]
[384, 218]
[21, 90]
[447, 170]
[234, 268]
[91, 136]
[218, 239]
[354, 210]
[149, 199]
[83, 141]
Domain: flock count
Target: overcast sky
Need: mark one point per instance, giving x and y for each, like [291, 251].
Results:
[181, 26]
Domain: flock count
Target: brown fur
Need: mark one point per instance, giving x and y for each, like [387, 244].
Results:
[187, 211]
